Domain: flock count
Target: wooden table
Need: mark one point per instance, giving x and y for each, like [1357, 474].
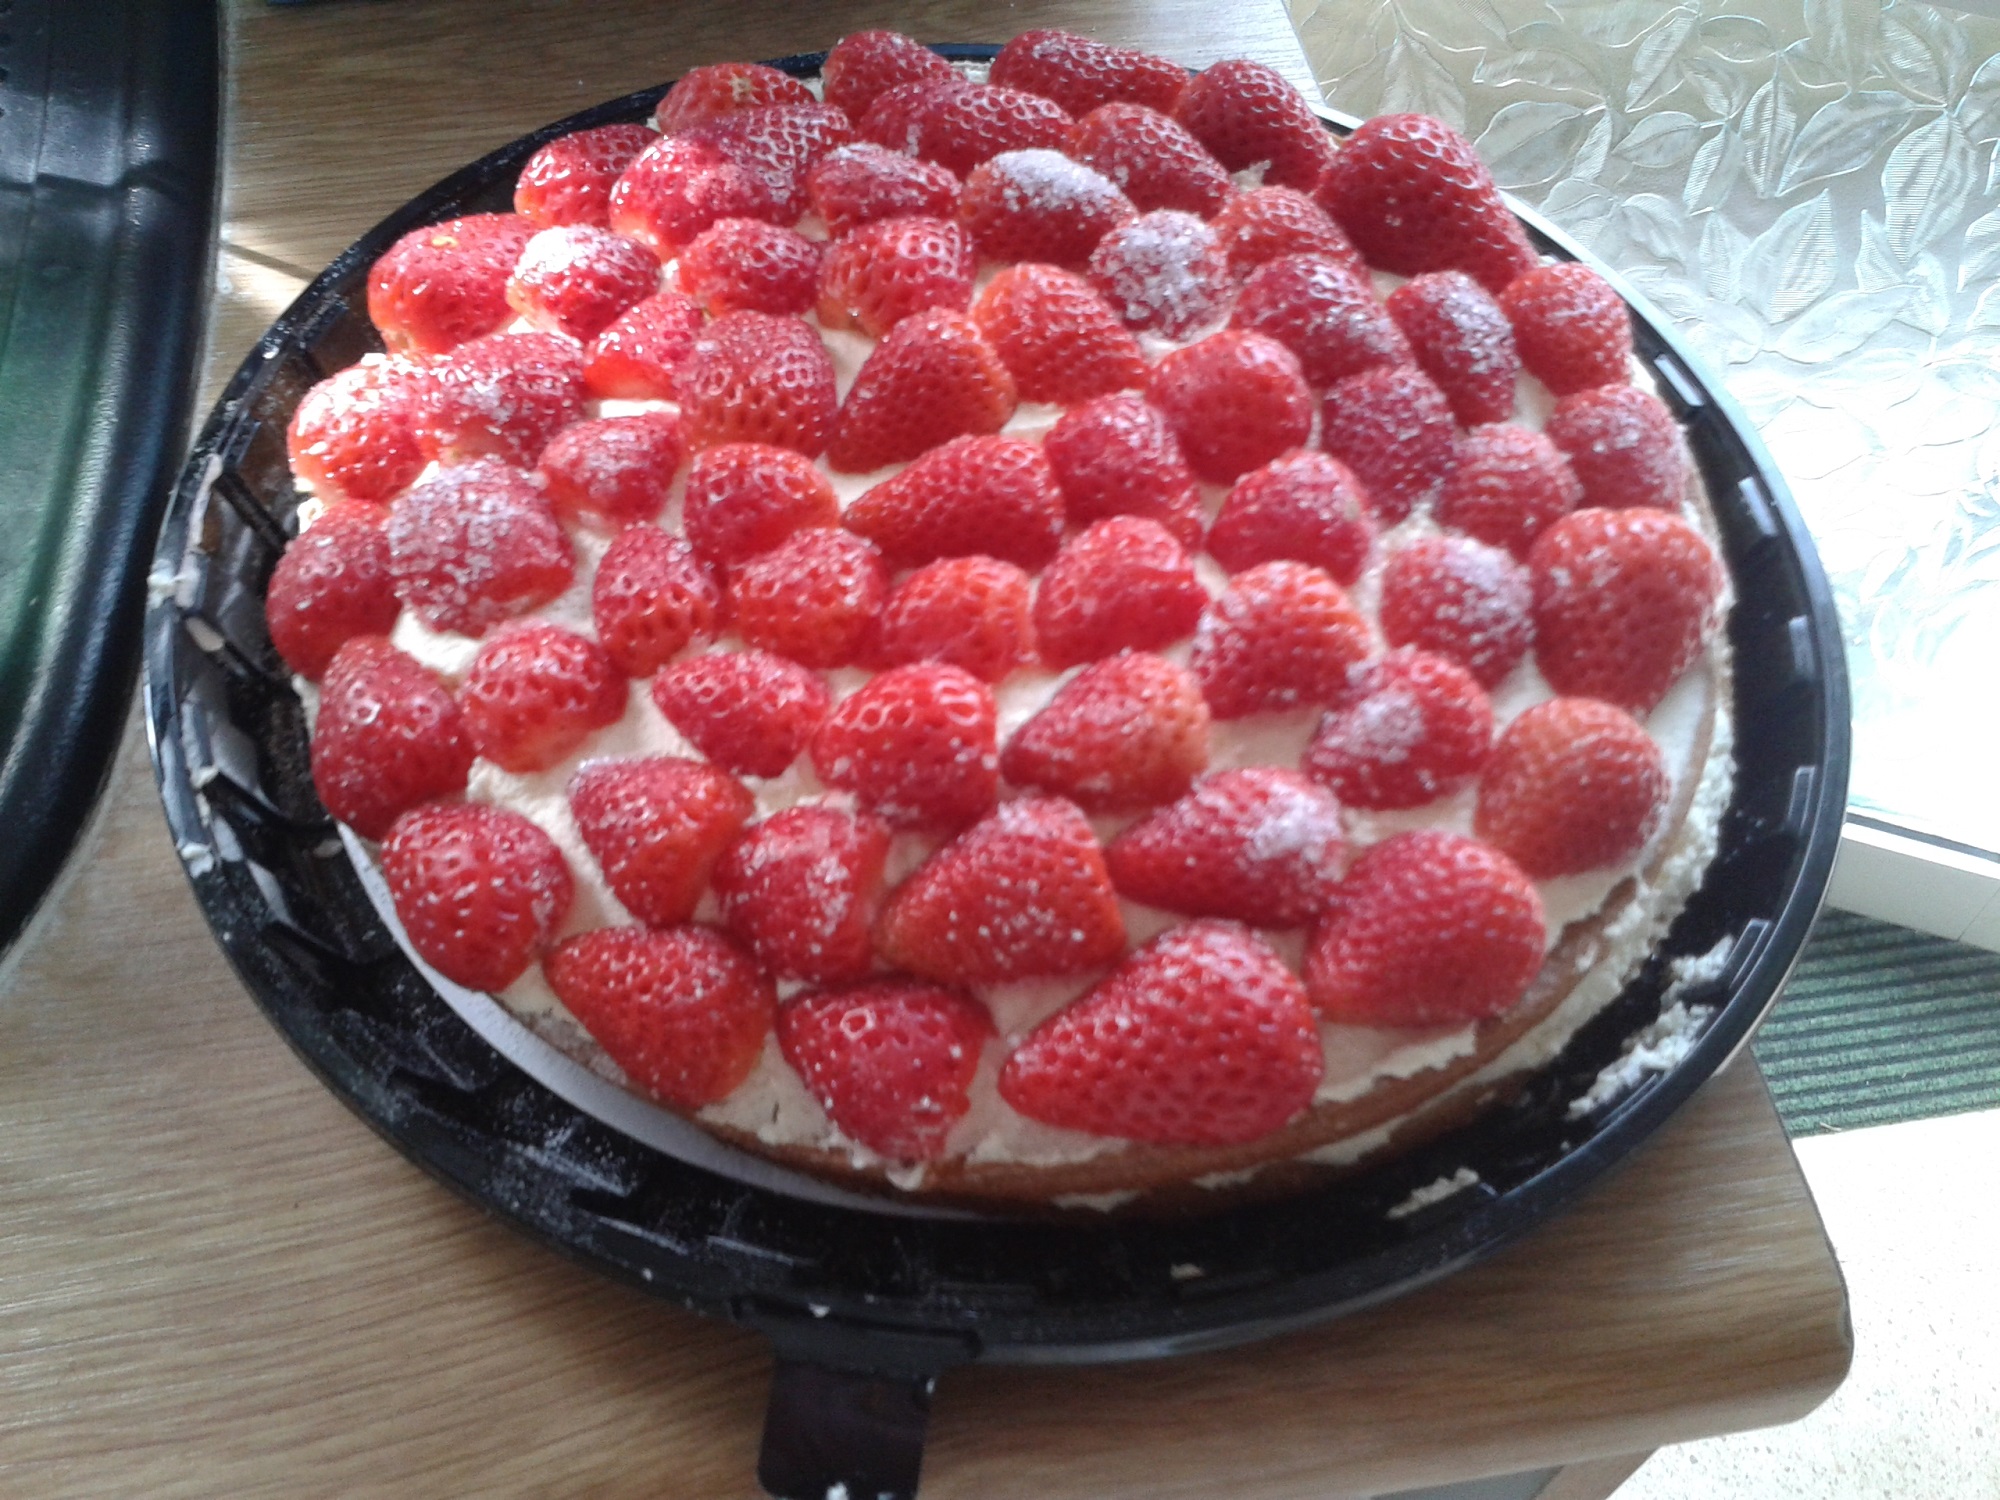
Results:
[214, 1280]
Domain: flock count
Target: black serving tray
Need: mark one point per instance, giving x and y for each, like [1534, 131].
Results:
[867, 1307]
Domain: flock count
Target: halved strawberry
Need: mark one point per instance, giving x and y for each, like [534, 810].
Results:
[1118, 455]
[1462, 340]
[779, 145]
[677, 187]
[1624, 447]
[1509, 486]
[1461, 599]
[655, 827]
[1324, 314]
[444, 284]
[354, 436]
[916, 746]
[637, 357]
[718, 89]
[970, 612]
[934, 378]
[861, 182]
[578, 279]
[813, 597]
[994, 496]
[479, 890]
[1259, 226]
[964, 126]
[879, 274]
[502, 396]
[651, 600]
[799, 890]
[1061, 341]
[1164, 272]
[1080, 73]
[864, 65]
[1123, 583]
[388, 735]
[614, 469]
[1302, 505]
[1573, 785]
[1247, 112]
[1151, 157]
[1411, 727]
[755, 378]
[1235, 400]
[1124, 734]
[332, 584]
[477, 544]
[569, 180]
[747, 265]
[1573, 329]
[1284, 636]
[894, 119]
[1040, 205]
[746, 498]
[536, 692]
[1392, 426]
[748, 711]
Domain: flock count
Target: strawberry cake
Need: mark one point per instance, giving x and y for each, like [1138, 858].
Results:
[1033, 634]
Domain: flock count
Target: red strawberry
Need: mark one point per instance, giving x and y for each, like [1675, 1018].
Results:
[387, 736]
[1260, 845]
[1623, 600]
[614, 469]
[479, 890]
[1324, 314]
[1122, 735]
[569, 180]
[502, 396]
[1164, 272]
[1411, 727]
[916, 747]
[1460, 599]
[1302, 505]
[1040, 205]
[1462, 340]
[1080, 73]
[1245, 113]
[969, 612]
[637, 357]
[1061, 341]
[755, 378]
[990, 495]
[813, 597]
[747, 265]
[799, 890]
[1573, 785]
[746, 498]
[1259, 226]
[536, 693]
[894, 120]
[354, 436]
[934, 378]
[656, 827]
[1023, 894]
[1414, 196]
[1122, 584]
[1428, 929]
[683, 1012]
[477, 544]
[651, 600]
[1118, 456]
[891, 1063]
[962, 127]
[779, 145]
[719, 89]
[577, 279]
[748, 711]
[1201, 1038]
[864, 65]
[1151, 157]
[860, 183]
[879, 274]
[1235, 400]
[333, 583]
[1624, 446]
[441, 285]
[1572, 327]
[1394, 429]
[1510, 484]
[677, 187]
[1284, 636]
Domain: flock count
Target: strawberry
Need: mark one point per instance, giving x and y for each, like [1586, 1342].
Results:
[879, 274]
[502, 396]
[1260, 845]
[1392, 426]
[651, 600]
[779, 145]
[1428, 929]
[1259, 226]
[813, 597]
[479, 890]
[1302, 505]
[864, 65]
[682, 1012]
[1411, 727]
[891, 1063]
[1122, 735]
[934, 378]
[1509, 485]
[637, 357]
[1623, 600]
[1460, 599]
[656, 827]
[969, 612]
[1022, 894]
[1200, 1038]
[536, 693]
[676, 188]
[569, 180]
[1571, 326]
[748, 711]
[1573, 785]
[1284, 636]
[747, 265]
[746, 498]
[577, 279]
[444, 284]
[1151, 157]
[916, 746]
[387, 736]
[332, 583]
[354, 436]
[1080, 73]
[1323, 313]
[989, 495]
[1039, 205]
[1060, 340]
[1118, 456]
[859, 183]
[894, 120]
[1164, 272]
[1246, 112]
[799, 890]
[614, 469]
[1414, 196]
[720, 89]
[1624, 446]
[755, 378]
[1235, 400]
[960, 127]
[477, 544]
[1123, 583]
[1462, 340]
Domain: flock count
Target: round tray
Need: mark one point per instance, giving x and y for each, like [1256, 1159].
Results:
[867, 1305]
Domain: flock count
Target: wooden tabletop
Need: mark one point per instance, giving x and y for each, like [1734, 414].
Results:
[214, 1280]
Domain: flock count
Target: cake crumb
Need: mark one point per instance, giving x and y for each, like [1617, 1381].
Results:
[1187, 1271]
[1657, 1049]
[1435, 1192]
